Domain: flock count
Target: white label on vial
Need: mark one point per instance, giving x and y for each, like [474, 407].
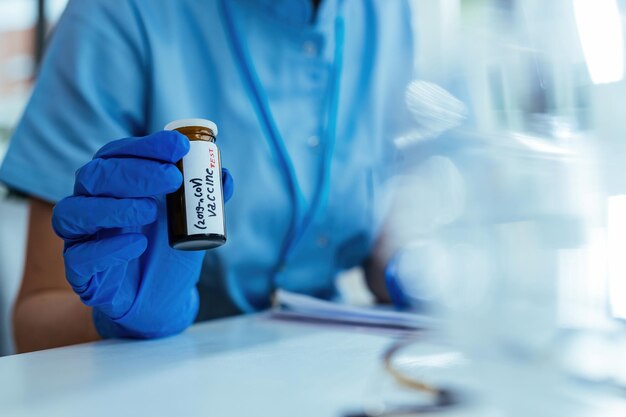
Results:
[203, 189]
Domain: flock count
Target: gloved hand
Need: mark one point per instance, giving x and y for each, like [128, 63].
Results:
[413, 276]
[117, 256]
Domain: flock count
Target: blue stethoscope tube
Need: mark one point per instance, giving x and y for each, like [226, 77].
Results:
[301, 218]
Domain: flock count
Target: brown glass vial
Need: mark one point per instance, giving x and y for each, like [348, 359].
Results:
[195, 212]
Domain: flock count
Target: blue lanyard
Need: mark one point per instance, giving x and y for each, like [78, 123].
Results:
[301, 218]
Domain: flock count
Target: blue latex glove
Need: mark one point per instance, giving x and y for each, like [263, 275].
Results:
[117, 256]
[398, 297]
[412, 276]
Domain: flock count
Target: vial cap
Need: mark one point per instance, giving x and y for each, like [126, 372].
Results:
[177, 124]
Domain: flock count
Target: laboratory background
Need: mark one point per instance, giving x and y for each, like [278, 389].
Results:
[501, 220]
[24, 27]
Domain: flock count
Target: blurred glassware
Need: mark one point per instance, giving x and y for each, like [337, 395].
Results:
[511, 226]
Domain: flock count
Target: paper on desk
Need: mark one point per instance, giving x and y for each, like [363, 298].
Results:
[304, 307]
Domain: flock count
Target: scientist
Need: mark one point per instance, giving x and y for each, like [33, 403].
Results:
[305, 93]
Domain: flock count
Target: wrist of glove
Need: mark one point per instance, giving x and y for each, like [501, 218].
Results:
[127, 325]
[394, 286]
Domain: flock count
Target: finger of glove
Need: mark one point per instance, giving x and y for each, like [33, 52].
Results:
[85, 260]
[166, 146]
[77, 216]
[127, 178]
[228, 184]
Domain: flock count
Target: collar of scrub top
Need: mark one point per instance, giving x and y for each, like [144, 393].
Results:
[298, 11]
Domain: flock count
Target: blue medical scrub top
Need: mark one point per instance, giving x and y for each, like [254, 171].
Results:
[126, 68]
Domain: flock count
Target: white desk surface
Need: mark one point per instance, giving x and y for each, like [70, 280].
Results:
[246, 366]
